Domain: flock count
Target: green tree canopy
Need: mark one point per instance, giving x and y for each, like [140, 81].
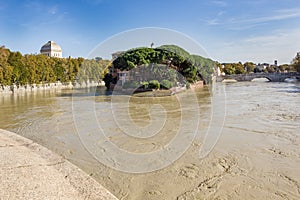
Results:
[204, 66]
[192, 67]
[249, 66]
[30, 69]
[296, 62]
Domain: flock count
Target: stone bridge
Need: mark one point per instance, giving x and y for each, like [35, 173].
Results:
[273, 77]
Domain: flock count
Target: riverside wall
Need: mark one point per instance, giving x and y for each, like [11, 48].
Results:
[17, 89]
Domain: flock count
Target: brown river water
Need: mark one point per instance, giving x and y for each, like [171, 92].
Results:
[256, 153]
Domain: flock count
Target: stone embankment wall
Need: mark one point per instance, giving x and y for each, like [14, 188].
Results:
[15, 89]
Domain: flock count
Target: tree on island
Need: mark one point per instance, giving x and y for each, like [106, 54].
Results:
[192, 67]
[233, 68]
[249, 67]
[296, 62]
[205, 66]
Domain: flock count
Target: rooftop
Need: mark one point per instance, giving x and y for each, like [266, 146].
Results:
[51, 46]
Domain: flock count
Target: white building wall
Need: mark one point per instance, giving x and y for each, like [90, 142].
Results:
[53, 54]
[56, 54]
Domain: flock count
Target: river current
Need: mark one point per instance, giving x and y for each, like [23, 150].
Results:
[255, 153]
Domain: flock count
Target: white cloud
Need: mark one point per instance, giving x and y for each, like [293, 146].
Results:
[212, 22]
[33, 5]
[40, 8]
[220, 3]
[280, 45]
[221, 13]
[278, 38]
[216, 20]
[53, 10]
[42, 15]
[277, 15]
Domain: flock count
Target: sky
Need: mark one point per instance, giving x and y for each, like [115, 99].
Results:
[225, 30]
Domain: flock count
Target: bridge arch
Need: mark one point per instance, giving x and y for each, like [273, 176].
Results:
[263, 77]
[272, 77]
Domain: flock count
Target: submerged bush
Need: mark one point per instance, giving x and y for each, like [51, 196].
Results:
[131, 84]
[166, 84]
[154, 84]
[188, 85]
[145, 84]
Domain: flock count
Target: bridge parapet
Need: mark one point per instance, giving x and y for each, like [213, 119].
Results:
[273, 77]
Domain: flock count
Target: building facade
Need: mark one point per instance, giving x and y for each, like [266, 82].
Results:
[51, 49]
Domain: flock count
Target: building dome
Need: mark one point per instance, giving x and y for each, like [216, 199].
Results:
[51, 49]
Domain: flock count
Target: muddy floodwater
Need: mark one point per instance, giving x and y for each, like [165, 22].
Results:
[256, 154]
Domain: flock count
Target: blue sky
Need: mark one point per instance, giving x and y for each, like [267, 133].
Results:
[228, 30]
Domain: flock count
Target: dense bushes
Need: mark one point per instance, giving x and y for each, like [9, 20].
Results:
[153, 84]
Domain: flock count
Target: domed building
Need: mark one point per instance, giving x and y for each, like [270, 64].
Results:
[51, 49]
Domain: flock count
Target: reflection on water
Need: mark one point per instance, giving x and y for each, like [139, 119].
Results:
[92, 91]
[253, 108]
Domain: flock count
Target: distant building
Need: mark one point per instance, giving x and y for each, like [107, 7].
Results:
[51, 49]
[261, 67]
[219, 72]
